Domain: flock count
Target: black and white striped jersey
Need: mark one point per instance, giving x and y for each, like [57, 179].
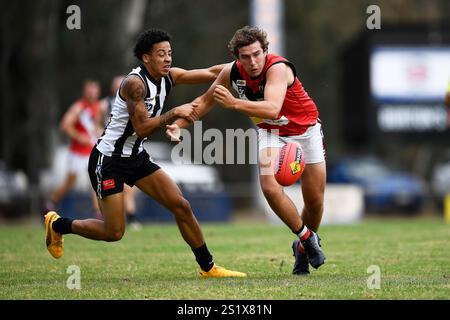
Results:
[119, 137]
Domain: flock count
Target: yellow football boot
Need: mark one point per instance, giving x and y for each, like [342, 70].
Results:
[220, 272]
[53, 240]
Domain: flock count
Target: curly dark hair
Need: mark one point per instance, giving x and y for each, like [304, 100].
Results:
[246, 36]
[147, 39]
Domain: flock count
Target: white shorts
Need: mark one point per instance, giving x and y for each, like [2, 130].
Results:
[77, 162]
[311, 142]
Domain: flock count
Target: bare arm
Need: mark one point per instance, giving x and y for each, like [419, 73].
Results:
[274, 93]
[279, 76]
[204, 104]
[68, 122]
[206, 101]
[195, 76]
[133, 91]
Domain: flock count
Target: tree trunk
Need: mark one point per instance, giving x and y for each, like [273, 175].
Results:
[41, 98]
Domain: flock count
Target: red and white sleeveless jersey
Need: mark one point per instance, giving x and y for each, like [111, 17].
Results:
[298, 112]
[86, 124]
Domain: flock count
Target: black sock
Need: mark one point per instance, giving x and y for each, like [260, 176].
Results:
[203, 258]
[63, 225]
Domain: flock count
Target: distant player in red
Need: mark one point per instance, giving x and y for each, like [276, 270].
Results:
[82, 123]
[270, 92]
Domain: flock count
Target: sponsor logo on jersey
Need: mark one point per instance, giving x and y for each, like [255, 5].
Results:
[241, 84]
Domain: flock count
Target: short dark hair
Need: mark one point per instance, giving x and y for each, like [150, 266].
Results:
[246, 36]
[147, 39]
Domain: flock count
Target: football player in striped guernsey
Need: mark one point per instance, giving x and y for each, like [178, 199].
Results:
[119, 156]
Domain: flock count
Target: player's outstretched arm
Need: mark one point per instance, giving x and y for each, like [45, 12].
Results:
[194, 76]
[133, 91]
[203, 104]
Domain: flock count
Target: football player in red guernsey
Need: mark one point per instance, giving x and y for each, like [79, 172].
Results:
[270, 92]
[82, 124]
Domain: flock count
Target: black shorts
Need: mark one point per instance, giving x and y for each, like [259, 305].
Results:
[108, 174]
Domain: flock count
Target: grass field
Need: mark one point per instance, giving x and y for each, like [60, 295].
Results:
[155, 263]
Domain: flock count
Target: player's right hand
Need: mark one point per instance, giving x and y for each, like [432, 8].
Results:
[173, 132]
[188, 111]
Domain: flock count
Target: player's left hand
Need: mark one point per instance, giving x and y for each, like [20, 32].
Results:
[223, 96]
[188, 111]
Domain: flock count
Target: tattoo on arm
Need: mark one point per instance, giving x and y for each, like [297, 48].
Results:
[134, 92]
[167, 118]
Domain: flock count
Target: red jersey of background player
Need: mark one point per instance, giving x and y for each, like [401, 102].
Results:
[298, 112]
[86, 124]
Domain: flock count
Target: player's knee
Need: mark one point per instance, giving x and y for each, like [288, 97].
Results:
[181, 207]
[114, 235]
[185, 206]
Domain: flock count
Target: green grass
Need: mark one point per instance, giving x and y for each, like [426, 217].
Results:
[155, 263]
